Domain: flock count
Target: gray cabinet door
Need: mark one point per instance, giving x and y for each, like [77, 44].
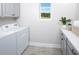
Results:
[0, 10]
[11, 9]
[63, 44]
[70, 49]
[69, 52]
[16, 9]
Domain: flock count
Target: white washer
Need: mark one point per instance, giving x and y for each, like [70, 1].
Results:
[21, 33]
[7, 43]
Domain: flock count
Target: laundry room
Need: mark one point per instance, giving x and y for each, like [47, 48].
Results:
[39, 28]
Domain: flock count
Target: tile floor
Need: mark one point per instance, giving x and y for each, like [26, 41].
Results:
[42, 51]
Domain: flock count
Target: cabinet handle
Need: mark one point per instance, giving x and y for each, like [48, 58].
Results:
[73, 52]
[61, 33]
[62, 39]
[13, 14]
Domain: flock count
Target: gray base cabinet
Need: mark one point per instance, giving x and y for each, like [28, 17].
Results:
[66, 46]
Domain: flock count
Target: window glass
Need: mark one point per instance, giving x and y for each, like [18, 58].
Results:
[45, 10]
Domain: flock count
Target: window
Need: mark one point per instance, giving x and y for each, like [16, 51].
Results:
[45, 11]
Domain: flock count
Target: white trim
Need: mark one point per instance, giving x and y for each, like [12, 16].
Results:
[38, 44]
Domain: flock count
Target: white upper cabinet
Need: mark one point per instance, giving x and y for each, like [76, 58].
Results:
[10, 9]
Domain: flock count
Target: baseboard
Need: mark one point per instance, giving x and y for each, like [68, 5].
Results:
[38, 44]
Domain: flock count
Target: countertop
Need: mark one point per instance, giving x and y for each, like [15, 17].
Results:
[4, 33]
[73, 39]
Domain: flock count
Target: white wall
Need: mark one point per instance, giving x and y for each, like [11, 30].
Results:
[45, 32]
[77, 11]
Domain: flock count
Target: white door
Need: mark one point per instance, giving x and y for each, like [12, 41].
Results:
[8, 45]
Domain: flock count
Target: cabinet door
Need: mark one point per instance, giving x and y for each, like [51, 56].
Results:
[8, 9]
[62, 41]
[70, 49]
[11, 9]
[63, 44]
[69, 52]
[0, 10]
[8, 45]
[17, 9]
